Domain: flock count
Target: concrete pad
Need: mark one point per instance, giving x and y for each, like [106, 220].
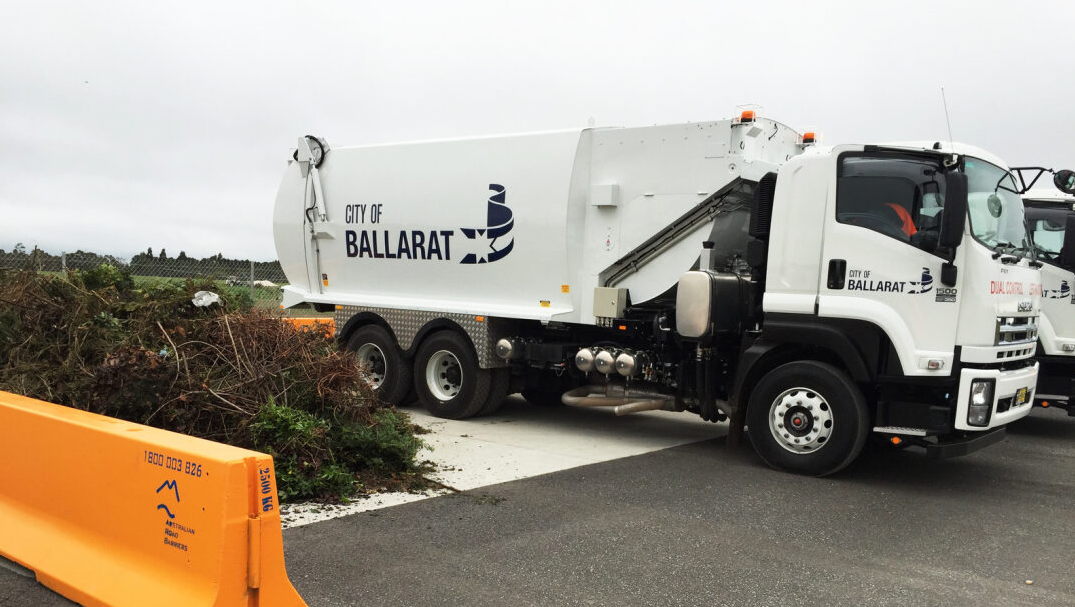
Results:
[522, 441]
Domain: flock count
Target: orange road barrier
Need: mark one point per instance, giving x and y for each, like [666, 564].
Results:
[114, 514]
[327, 325]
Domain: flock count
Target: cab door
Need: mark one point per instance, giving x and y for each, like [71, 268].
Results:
[879, 261]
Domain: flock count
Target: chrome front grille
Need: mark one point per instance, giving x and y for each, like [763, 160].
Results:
[1015, 330]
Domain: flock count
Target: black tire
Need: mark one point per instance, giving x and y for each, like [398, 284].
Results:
[390, 365]
[461, 388]
[786, 393]
[498, 390]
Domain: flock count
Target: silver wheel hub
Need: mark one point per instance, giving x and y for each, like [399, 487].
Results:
[800, 420]
[444, 375]
[372, 358]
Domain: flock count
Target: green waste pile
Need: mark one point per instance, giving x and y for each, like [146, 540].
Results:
[98, 341]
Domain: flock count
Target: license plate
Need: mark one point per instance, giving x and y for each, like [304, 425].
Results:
[1020, 396]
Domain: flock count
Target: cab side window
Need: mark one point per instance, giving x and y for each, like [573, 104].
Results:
[900, 197]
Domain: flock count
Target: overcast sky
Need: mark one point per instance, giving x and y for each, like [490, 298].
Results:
[127, 125]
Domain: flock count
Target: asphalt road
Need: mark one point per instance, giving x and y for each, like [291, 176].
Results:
[698, 524]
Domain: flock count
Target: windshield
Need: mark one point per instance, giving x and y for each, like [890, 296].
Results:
[1048, 235]
[1047, 231]
[996, 211]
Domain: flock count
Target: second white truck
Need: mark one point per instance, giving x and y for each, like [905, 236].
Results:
[733, 269]
[1051, 219]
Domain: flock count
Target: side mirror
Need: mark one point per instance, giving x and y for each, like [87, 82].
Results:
[954, 217]
[1065, 181]
[1067, 254]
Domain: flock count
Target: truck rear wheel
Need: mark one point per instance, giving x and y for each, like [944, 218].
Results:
[388, 369]
[447, 378]
[500, 380]
[807, 417]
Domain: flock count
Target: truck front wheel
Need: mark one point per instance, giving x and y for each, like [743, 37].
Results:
[447, 378]
[388, 370]
[807, 417]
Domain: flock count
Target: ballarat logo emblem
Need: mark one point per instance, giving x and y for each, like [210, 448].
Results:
[1062, 293]
[923, 286]
[499, 222]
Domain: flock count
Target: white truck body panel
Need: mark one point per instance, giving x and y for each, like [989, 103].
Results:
[405, 206]
[794, 248]
[381, 199]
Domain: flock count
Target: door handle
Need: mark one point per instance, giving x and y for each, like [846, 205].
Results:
[837, 272]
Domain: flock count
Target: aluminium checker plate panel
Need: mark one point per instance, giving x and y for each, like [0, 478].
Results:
[407, 323]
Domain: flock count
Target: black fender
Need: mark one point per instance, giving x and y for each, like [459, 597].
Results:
[843, 338]
[855, 346]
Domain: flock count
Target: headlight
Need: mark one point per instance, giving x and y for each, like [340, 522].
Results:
[1068, 348]
[981, 402]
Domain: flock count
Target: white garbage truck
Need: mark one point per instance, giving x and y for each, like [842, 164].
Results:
[734, 269]
[1051, 220]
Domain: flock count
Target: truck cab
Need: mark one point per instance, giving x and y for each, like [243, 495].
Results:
[1051, 218]
[907, 267]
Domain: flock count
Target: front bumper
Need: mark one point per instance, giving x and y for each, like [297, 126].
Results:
[1008, 384]
[955, 447]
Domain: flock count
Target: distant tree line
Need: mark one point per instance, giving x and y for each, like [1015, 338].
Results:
[143, 264]
[37, 259]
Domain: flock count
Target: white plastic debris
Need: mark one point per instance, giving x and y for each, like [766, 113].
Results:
[204, 299]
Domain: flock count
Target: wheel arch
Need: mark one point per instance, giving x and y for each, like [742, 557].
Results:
[360, 320]
[763, 356]
[856, 344]
[438, 324]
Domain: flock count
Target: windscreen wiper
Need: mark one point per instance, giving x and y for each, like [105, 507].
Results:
[1002, 248]
[1029, 253]
[1003, 251]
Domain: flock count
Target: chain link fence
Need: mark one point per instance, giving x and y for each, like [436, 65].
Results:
[262, 278]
